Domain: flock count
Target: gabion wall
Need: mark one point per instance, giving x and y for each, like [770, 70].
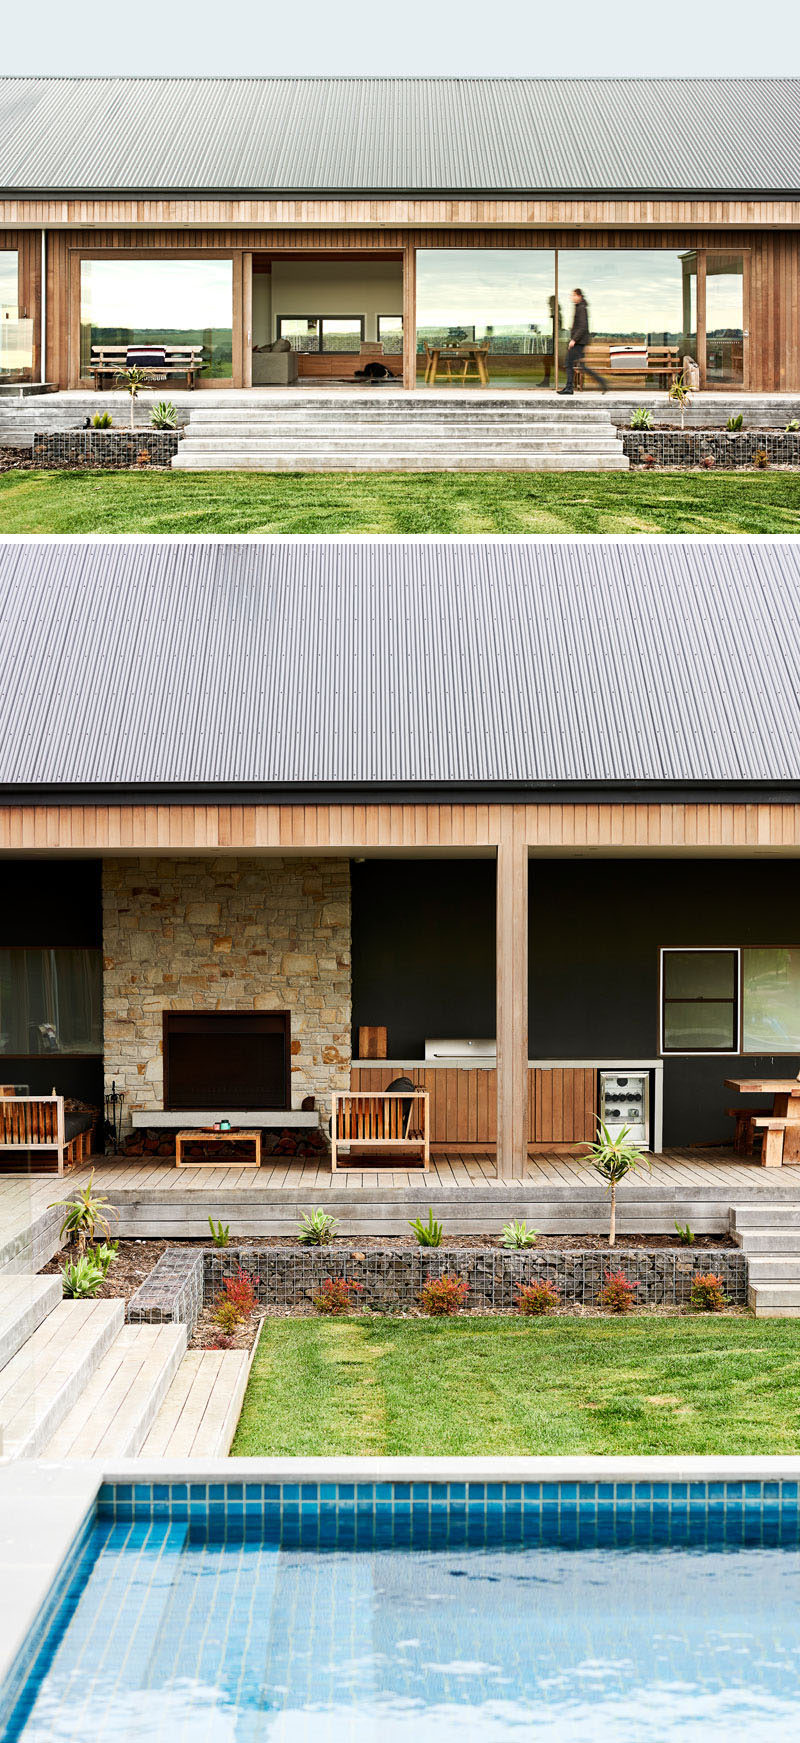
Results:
[173, 1292]
[114, 450]
[691, 447]
[393, 1281]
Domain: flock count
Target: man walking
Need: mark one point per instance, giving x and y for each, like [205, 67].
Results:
[578, 341]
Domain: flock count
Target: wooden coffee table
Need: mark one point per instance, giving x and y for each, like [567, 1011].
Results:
[199, 1136]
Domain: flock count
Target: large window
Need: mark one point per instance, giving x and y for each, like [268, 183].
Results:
[699, 1001]
[51, 1001]
[390, 332]
[640, 295]
[504, 298]
[16, 332]
[724, 319]
[159, 302]
[316, 333]
[771, 1001]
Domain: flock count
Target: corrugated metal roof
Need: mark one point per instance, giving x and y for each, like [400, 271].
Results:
[409, 135]
[345, 663]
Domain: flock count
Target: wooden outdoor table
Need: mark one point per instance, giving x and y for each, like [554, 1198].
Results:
[785, 1092]
[199, 1136]
[465, 352]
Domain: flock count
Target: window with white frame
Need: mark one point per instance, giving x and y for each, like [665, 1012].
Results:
[700, 1001]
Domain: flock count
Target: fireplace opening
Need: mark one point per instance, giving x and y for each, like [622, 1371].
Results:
[226, 1061]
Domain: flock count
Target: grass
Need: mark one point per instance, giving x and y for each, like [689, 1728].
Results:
[471, 502]
[505, 1386]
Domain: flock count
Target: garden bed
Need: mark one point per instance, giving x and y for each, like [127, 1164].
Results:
[109, 450]
[711, 449]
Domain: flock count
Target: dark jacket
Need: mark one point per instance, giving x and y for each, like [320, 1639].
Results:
[580, 325]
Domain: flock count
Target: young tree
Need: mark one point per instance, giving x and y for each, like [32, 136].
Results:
[613, 1158]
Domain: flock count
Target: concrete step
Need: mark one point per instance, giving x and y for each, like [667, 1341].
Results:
[442, 447]
[51, 1371]
[766, 1214]
[200, 460]
[774, 1268]
[25, 1301]
[768, 1241]
[266, 421]
[199, 1415]
[770, 1299]
[118, 1407]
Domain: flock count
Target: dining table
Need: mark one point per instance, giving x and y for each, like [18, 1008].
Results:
[463, 353]
[781, 1128]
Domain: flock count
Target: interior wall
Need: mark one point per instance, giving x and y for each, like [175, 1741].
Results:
[333, 287]
[262, 308]
[49, 903]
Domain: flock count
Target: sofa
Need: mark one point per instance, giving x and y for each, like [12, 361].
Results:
[274, 365]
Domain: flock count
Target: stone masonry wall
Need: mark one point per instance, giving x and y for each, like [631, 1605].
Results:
[226, 934]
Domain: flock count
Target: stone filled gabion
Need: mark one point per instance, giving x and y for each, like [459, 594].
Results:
[393, 1281]
[694, 447]
[173, 1292]
[110, 450]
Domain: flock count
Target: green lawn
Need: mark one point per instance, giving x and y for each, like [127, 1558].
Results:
[472, 1386]
[473, 502]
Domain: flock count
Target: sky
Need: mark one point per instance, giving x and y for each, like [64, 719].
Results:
[457, 37]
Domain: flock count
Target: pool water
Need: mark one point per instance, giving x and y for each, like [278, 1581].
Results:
[167, 1633]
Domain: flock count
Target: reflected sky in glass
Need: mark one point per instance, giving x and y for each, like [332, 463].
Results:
[157, 293]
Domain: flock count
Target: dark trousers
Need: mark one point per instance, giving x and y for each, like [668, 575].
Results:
[575, 355]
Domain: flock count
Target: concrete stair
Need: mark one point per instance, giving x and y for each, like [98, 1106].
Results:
[119, 1405]
[199, 1415]
[769, 1234]
[304, 433]
[25, 1301]
[49, 1374]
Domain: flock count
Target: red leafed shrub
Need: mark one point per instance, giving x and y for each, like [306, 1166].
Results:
[240, 1292]
[618, 1294]
[707, 1293]
[444, 1294]
[336, 1295]
[536, 1298]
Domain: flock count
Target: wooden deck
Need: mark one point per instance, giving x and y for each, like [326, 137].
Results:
[558, 1194]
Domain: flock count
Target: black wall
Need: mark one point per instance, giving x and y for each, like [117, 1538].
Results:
[423, 959]
[50, 902]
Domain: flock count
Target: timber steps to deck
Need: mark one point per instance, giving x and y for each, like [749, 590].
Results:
[769, 1234]
[301, 433]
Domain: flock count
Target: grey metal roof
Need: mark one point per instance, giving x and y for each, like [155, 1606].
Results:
[406, 135]
[321, 662]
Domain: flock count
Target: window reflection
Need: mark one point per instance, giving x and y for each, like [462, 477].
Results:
[642, 296]
[501, 297]
[159, 302]
[16, 332]
[724, 318]
[51, 1001]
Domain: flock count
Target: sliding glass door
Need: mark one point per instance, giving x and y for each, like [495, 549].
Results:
[725, 329]
[504, 299]
[159, 301]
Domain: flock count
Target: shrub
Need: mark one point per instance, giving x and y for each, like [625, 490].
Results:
[83, 1215]
[143, 457]
[707, 1294]
[685, 1234]
[534, 1299]
[518, 1235]
[618, 1293]
[792, 426]
[316, 1229]
[226, 1314]
[223, 1341]
[104, 1256]
[81, 1280]
[641, 418]
[240, 1291]
[163, 416]
[428, 1234]
[220, 1232]
[102, 421]
[734, 424]
[336, 1295]
[708, 461]
[761, 460]
[444, 1294]
[648, 459]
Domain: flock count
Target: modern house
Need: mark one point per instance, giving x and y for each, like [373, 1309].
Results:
[356, 219]
[517, 820]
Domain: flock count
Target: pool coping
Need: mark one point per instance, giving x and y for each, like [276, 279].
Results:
[45, 1506]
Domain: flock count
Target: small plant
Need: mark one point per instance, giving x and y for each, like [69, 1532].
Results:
[761, 460]
[143, 457]
[534, 1299]
[685, 1234]
[83, 1216]
[105, 1255]
[613, 1158]
[518, 1235]
[316, 1229]
[618, 1294]
[680, 394]
[81, 1279]
[102, 421]
[792, 426]
[163, 415]
[336, 1295]
[226, 1315]
[220, 1232]
[445, 1294]
[428, 1234]
[708, 462]
[641, 418]
[133, 380]
[240, 1291]
[648, 460]
[735, 424]
[707, 1294]
[223, 1341]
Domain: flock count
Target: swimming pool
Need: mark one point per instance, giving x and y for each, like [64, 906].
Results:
[240, 1612]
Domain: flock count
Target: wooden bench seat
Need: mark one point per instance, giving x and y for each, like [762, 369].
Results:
[109, 360]
[662, 361]
[745, 1135]
[774, 1130]
[381, 1124]
[36, 1126]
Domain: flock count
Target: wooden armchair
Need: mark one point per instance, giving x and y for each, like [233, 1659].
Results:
[381, 1123]
[38, 1126]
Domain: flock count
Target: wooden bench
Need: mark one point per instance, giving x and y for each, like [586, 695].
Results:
[37, 1124]
[179, 360]
[744, 1138]
[388, 1122]
[662, 360]
[774, 1130]
[209, 1138]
